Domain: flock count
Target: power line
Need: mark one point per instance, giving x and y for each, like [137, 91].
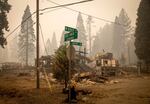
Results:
[23, 31]
[102, 19]
[43, 39]
[27, 19]
[20, 24]
[44, 10]
[46, 54]
[64, 5]
[49, 11]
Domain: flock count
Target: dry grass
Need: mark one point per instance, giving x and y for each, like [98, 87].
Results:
[21, 90]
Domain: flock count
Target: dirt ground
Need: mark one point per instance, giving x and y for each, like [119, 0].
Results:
[127, 90]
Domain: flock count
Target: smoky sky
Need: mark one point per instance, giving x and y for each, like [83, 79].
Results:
[54, 21]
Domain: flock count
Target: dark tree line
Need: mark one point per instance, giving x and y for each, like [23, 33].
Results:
[142, 41]
[4, 9]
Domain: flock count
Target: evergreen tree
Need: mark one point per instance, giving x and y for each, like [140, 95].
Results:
[4, 9]
[61, 63]
[3, 54]
[126, 32]
[48, 49]
[81, 30]
[122, 31]
[26, 42]
[142, 41]
[123, 60]
[125, 22]
[125, 27]
[132, 58]
[96, 43]
[116, 47]
[106, 38]
[54, 43]
[62, 38]
[103, 39]
[13, 46]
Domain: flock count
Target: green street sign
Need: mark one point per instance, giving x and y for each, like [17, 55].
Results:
[70, 36]
[76, 43]
[70, 29]
[73, 33]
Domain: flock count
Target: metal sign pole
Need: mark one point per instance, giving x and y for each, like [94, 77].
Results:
[37, 46]
[73, 34]
[69, 72]
[79, 54]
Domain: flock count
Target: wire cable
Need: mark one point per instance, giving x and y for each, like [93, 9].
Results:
[24, 31]
[44, 10]
[43, 39]
[20, 24]
[44, 71]
[28, 18]
[64, 5]
[102, 19]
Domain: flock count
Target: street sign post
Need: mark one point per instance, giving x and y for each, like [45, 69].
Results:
[76, 43]
[70, 52]
[72, 33]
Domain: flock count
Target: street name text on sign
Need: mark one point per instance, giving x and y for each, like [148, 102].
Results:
[76, 43]
[73, 33]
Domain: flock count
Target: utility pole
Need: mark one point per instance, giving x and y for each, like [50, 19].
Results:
[37, 46]
[37, 32]
[69, 74]
[84, 55]
[79, 54]
[89, 22]
[27, 43]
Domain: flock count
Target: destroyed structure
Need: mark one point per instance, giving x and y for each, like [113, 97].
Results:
[106, 65]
